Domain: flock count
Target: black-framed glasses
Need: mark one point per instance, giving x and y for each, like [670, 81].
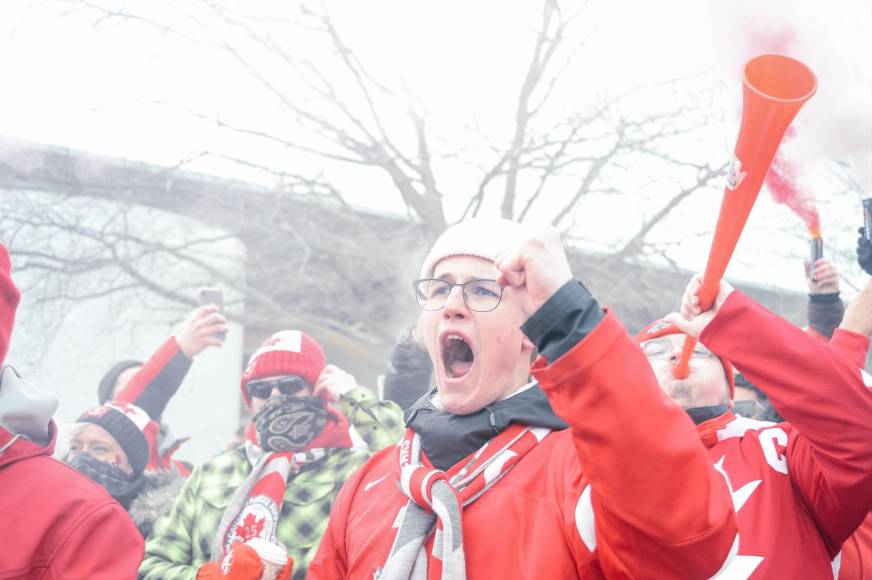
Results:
[291, 385]
[661, 347]
[479, 295]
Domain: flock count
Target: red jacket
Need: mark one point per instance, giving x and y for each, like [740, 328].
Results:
[57, 523]
[801, 487]
[851, 345]
[855, 560]
[662, 511]
[151, 388]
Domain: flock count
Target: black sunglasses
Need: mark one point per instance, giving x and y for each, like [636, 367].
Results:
[262, 388]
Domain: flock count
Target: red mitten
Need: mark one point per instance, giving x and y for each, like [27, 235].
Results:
[285, 573]
[240, 563]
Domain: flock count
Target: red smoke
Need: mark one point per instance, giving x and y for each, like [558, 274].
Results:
[781, 181]
[782, 176]
[771, 39]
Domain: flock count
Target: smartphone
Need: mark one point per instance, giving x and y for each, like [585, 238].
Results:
[867, 217]
[216, 297]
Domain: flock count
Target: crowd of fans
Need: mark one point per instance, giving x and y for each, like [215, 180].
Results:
[518, 432]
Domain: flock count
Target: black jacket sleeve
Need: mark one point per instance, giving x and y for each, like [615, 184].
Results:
[563, 321]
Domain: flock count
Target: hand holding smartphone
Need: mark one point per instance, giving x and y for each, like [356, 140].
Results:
[216, 297]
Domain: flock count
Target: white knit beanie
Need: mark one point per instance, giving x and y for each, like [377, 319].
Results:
[481, 237]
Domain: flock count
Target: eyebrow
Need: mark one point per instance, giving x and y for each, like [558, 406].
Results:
[452, 278]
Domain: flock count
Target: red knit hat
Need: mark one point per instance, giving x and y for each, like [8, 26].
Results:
[660, 328]
[287, 352]
[9, 297]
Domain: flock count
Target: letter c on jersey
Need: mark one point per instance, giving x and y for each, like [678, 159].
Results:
[773, 441]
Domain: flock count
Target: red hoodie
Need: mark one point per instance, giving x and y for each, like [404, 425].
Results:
[57, 523]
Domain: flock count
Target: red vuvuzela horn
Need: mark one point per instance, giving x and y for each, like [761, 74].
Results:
[774, 89]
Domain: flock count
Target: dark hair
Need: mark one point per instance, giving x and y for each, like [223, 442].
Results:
[766, 411]
[107, 383]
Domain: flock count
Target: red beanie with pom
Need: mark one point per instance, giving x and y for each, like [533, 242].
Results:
[287, 352]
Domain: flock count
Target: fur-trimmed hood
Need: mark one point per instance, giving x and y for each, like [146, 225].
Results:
[157, 496]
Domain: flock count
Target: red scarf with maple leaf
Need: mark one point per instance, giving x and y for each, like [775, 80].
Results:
[256, 506]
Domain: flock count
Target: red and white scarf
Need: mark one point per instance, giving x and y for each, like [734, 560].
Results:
[436, 496]
[257, 504]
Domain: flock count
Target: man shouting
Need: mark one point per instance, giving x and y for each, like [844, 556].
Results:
[489, 481]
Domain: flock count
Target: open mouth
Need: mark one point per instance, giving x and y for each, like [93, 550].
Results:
[457, 357]
[678, 389]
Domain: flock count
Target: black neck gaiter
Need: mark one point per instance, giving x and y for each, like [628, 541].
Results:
[122, 486]
[447, 438]
[702, 414]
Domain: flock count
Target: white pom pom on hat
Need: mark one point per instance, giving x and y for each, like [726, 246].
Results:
[484, 237]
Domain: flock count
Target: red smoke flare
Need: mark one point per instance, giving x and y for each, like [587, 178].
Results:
[781, 181]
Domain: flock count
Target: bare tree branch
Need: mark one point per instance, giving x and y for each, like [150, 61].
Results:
[546, 45]
[592, 174]
[705, 175]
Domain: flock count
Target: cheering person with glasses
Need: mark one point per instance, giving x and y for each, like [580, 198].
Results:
[571, 473]
[311, 427]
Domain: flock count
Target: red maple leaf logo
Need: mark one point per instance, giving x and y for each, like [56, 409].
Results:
[250, 527]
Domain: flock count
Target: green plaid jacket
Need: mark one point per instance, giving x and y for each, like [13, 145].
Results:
[182, 539]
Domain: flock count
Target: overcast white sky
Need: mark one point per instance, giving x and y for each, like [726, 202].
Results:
[95, 89]
[69, 83]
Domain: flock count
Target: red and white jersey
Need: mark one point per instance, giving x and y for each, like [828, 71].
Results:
[601, 499]
[778, 534]
[799, 488]
[621, 492]
[855, 559]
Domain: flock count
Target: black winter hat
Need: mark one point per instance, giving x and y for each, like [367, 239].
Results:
[128, 424]
[107, 383]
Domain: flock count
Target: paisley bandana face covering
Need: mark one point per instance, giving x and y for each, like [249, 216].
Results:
[289, 423]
